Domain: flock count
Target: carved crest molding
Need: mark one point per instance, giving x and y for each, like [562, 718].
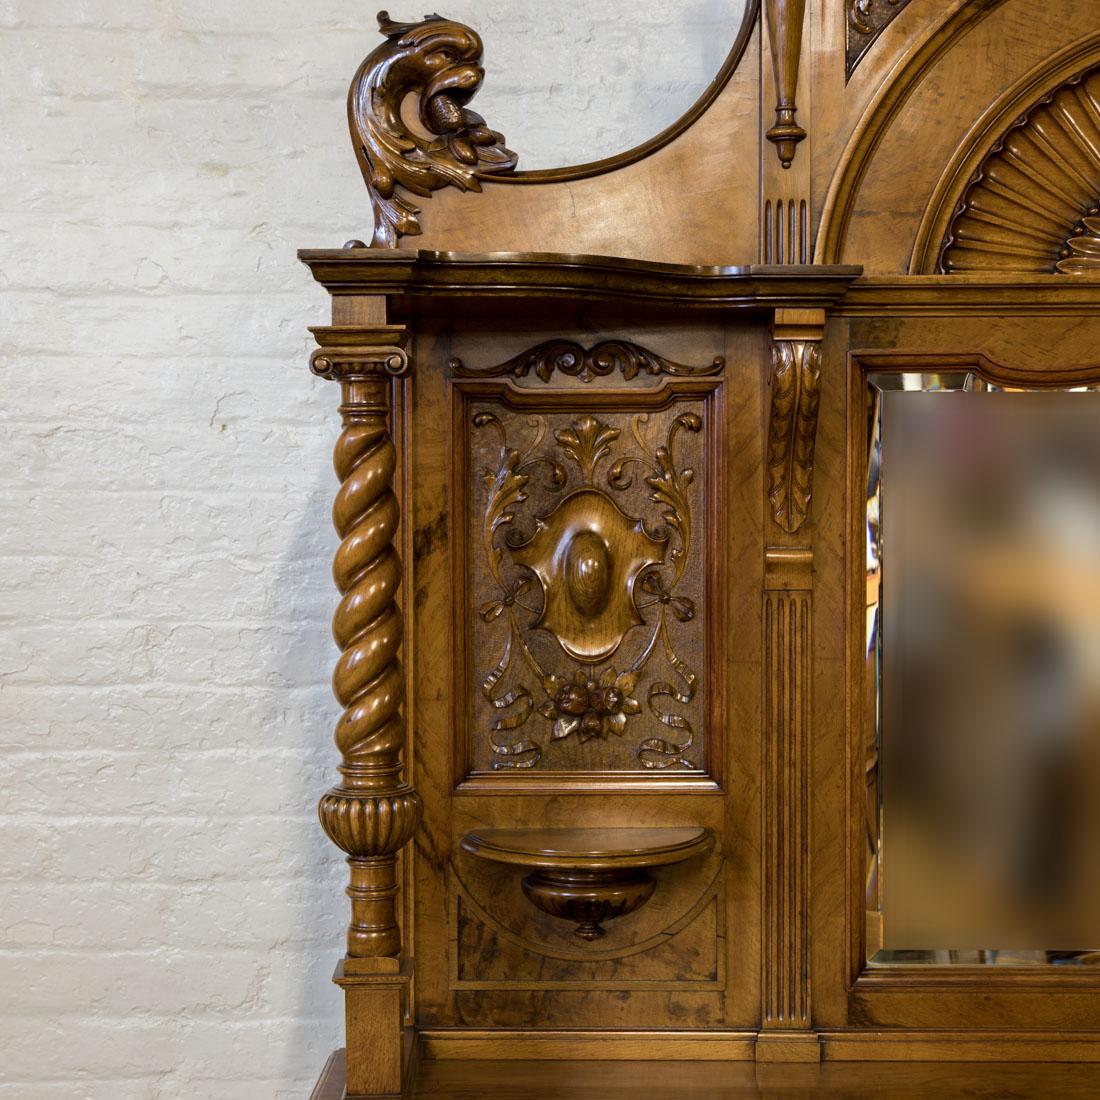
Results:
[1033, 205]
[437, 61]
[570, 358]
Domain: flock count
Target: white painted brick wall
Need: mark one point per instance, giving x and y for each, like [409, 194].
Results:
[169, 910]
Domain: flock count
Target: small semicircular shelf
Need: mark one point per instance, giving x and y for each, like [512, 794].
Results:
[1032, 206]
[589, 876]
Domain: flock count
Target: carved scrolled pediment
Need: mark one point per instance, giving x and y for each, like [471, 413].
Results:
[438, 61]
[1032, 206]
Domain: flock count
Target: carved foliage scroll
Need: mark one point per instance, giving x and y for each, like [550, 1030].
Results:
[867, 19]
[792, 431]
[439, 62]
[570, 358]
[1033, 205]
[586, 536]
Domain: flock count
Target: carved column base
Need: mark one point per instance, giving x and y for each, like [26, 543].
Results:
[371, 828]
[380, 1049]
[589, 897]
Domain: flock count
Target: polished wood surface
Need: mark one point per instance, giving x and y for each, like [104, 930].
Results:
[649, 1080]
[603, 582]
[588, 849]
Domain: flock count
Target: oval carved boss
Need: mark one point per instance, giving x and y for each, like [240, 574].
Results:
[587, 554]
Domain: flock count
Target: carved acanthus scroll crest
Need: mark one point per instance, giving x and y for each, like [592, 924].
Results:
[604, 358]
[438, 61]
[587, 597]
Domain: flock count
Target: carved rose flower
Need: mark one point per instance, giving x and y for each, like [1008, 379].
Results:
[590, 707]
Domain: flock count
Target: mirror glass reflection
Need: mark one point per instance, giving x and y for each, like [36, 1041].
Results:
[982, 707]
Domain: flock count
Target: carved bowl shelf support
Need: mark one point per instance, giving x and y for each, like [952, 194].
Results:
[589, 876]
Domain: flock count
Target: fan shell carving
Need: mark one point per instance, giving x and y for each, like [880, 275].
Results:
[1032, 206]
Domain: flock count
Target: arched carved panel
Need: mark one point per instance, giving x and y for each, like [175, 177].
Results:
[1032, 206]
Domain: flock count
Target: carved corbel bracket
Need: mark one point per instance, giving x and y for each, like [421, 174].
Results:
[437, 61]
[589, 876]
[792, 430]
[785, 19]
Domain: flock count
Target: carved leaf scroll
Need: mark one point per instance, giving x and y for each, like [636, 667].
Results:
[585, 541]
[792, 433]
[1032, 206]
[604, 358]
[439, 62]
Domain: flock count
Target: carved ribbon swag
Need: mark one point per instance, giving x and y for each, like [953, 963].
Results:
[437, 60]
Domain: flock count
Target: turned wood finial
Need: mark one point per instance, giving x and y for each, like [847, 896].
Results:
[785, 19]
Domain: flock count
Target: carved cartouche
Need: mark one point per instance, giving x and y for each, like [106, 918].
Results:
[438, 62]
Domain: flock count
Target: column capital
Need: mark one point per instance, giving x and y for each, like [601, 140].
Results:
[347, 353]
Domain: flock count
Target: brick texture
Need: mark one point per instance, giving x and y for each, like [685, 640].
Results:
[169, 910]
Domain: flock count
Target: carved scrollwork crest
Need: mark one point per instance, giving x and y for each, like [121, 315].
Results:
[588, 601]
[570, 358]
[438, 61]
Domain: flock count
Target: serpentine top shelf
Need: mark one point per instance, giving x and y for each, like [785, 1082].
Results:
[423, 272]
[589, 875]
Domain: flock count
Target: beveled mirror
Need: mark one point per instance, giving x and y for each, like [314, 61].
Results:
[982, 646]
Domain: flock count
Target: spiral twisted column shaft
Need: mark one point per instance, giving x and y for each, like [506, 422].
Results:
[372, 813]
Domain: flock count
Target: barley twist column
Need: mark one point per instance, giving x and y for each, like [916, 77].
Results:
[372, 813]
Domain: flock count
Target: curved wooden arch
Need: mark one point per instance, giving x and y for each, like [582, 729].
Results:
[1031, 206]
[986, 138]
[859, 152]
[668, 134]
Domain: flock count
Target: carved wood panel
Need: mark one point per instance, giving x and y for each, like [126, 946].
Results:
[1033, 205]
[499, 941]
[589, 561]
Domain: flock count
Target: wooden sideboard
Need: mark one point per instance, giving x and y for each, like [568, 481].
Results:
[602, 501]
